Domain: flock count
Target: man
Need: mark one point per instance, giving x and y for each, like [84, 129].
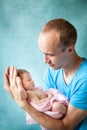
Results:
[66, 72]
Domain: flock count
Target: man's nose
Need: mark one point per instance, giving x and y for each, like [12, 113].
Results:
[46, 59]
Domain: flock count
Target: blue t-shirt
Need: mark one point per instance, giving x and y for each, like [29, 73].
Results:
[75, 91]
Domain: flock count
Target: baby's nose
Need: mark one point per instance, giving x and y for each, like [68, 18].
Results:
[32, 82]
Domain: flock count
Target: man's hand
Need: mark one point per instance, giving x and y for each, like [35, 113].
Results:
[14, 87]
[7, 82]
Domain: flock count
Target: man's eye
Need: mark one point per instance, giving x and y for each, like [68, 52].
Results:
[51, 55]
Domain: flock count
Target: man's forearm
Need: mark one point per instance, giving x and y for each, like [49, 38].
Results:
[43, 119]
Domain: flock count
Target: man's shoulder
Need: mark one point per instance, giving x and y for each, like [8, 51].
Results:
[83, 68]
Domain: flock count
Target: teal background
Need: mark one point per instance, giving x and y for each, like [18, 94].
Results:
[20, 24]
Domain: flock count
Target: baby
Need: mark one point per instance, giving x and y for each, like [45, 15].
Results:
[51, 102]
[35, 94]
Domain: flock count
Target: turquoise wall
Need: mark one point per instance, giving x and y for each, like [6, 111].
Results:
[20, 24]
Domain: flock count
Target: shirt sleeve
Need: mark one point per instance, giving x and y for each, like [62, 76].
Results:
[79, 98]
[48, 80]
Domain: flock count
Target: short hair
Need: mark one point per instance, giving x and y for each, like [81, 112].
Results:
[20, 72]
[66, 31]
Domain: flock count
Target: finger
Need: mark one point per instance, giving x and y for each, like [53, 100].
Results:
[6, 81]
[13, 74]
[22, 92]
[8, 70]
[7, 74]
[19, 83]
[7, 85]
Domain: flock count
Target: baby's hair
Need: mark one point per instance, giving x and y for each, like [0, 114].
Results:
[20, 72]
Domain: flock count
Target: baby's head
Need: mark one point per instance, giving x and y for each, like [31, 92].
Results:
[26, 78]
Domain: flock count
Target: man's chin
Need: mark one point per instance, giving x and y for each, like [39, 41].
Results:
[54, 67]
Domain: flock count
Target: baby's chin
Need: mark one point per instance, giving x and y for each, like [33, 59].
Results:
[30, 87]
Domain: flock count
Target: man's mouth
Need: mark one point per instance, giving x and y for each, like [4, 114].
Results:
[51, 65]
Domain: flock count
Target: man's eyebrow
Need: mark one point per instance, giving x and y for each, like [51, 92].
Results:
[47, 53]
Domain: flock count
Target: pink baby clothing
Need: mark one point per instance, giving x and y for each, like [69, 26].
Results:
[46, 107]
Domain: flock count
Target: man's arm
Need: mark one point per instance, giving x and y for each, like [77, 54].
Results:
[16, 90]
[69, 122]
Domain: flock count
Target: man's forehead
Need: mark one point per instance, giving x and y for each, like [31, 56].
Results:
[48, 44]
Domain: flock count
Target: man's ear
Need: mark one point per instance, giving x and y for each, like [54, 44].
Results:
[71, 49]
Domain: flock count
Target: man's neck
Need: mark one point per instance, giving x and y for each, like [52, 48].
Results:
[71, 69]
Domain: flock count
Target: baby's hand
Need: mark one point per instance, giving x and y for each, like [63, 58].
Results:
[57, 106]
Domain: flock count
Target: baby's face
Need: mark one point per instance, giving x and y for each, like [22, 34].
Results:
[27, 81]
